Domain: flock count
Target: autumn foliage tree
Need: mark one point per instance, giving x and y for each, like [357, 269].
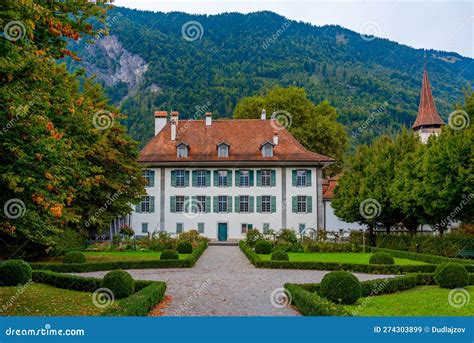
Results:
[64, 155]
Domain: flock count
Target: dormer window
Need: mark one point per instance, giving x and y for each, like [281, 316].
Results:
[182, 150]
[223, 150]
[267, 149]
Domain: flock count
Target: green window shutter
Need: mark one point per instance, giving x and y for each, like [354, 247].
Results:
[293, 178]
[237, 204]
[251, 204]
[173, 178]
[308, 178]
[229, 178]
[274, 205]
[259, 177]
[251, 178]
[229, 204]
[138, 207]
[259, 204]
[309, 204]
[187, 204]
[208, 178]
[152, 204]
[194, 178]
[208, 204]
[193, 201]
[273, 179]
[186, 178]
[216, 178]
[201, 227]
[294, 204]
[152, 178]
[237, 178]
[173, 204]
[215, 204]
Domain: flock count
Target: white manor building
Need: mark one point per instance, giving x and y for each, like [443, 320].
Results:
[223, 177]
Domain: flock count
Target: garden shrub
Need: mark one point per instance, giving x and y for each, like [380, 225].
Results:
[331, 247]
[184, 247]
[74, 257]
[280, 255]
[451, 275]
[252, 237]
[263, 247]
[433, 259]
[287, 235]
[341, 287]
[381, 258]
[169, 255]
[15, 272]
[119, 282]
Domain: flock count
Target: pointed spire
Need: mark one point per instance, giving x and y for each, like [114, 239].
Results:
[427, 113]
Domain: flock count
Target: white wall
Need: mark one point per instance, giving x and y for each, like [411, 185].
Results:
[233, 219]
[333, 223]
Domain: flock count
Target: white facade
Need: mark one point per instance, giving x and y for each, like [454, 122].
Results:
[161, 212]
[334, 223]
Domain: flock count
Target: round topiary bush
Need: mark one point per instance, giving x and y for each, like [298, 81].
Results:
[451, 275]
[263, 247]
[381, 258]
[340, 287]
[280, 255]
[15, 272]
[119, 282]
[74, 257]
[184, 247]
[169, 255]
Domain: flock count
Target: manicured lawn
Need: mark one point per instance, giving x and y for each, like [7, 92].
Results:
[347, 257]
[44, 300]
[418, 301]
[108, 256]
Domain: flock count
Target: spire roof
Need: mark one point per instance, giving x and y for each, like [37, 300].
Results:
[427, 113]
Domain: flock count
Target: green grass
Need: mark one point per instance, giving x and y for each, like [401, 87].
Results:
[113, 256]
[44, 300]
[418, 301]
[343, 257]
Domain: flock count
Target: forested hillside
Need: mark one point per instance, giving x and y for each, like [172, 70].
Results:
[146, 65]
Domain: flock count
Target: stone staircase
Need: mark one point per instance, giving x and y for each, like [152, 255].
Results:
[229, 242]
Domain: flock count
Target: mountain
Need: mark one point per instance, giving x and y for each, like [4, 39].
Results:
[194, 63]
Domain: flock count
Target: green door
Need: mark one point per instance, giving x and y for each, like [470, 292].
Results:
[222, 232]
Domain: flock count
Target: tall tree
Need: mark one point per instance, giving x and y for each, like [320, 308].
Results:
[315, 126]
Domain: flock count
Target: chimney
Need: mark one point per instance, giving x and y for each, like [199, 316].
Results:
[263, 116]
[160, 121]
[275, 138]
[208, 118]
[174, 124]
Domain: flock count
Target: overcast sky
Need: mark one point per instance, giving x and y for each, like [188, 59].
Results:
[442, 25]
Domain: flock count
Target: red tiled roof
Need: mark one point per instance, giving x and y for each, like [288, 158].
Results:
[329, 184]
[427, 113]
[245, 136]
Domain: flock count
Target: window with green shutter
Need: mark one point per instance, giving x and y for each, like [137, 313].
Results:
[237, 204]
[273, 178]
[294, 177]
[251, 204]
[201, 227]
[208, 204]
[144, 227]
[237, 178]
[173, 178]
[229, 204]
[179, 227]
[308, 178]
[152, 204]
[149, 176]
[309, 204]
[215, 204]
[259, 178]
[172, 204]
[266, 227]
[186, 178]
[251, 178]
[229, 178]
[216, 178]
[294, 204]
[273, 205]
[259, 204]
[208, 178]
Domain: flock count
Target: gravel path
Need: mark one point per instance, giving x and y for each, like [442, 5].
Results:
[224, 283]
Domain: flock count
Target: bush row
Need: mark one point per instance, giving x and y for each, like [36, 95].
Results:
[361, 268]
[96, 266]
[311, 304]
[423, 257]
[448, 245]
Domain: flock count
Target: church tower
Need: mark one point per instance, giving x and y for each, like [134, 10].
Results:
[428, 122]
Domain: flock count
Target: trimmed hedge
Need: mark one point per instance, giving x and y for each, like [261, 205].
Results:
[119, 282]
[353, 267]
[184, 247]
[97, 266]
[263, 247]
[381, 258]
[74, 257]
[169, 255]
[147, 293]
[448, 245]
[311, 304]
[340, 287]
[280, 255]
[451, 275]
[15, 272]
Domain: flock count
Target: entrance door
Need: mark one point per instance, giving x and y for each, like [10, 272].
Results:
[222, 231]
